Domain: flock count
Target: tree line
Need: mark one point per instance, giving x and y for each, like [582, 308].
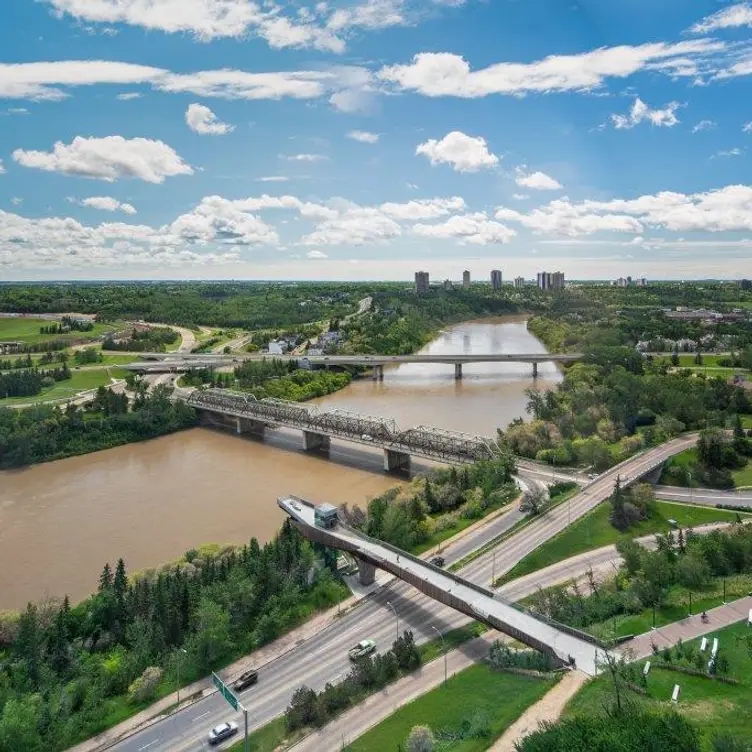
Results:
[64, 669]
[153, 339]
[30, 382]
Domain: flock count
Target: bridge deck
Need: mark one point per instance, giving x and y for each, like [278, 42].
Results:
[451, 589]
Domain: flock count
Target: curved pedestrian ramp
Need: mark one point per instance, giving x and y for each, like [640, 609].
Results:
[567, 645]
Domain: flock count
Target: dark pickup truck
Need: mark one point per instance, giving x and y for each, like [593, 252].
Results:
[246, 679]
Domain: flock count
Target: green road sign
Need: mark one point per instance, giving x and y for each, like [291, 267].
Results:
[225, 691]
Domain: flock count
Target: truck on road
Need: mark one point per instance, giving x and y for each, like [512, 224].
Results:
[361, 650]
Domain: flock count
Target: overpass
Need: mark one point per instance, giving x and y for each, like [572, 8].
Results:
[246, 414]
[565, 644]
[185, 361]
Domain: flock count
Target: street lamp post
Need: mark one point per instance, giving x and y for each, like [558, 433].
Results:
[689, 475]
[180, 650]
[396, 616]
[443, 644]
[493, 569]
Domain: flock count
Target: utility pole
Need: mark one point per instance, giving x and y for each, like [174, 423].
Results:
[493, 570]
[443, 644]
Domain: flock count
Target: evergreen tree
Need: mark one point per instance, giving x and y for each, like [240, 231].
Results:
[105, 579]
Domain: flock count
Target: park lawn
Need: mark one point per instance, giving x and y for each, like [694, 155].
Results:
[594, 530]
[81, 380]
[27, 330]
[477, 691]
[715, 707]
[432, 649]
[273, 736]
[743, 478]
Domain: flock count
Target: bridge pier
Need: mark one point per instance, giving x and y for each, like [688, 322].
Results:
[396, 461]
[535, 370]
[654, 475]
[247, 425]
[366, 572]
[312, 440]
[458, 371]
[378, 373]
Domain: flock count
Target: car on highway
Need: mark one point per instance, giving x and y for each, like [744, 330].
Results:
[437, 561]
[361, 650]
[223, 731]
[246, 679]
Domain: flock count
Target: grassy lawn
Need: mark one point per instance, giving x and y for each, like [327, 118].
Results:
[594, 530]
[27, 330]
[80, 381]
[268, 738]
[715, 707]
[452, 639]
[743, 477]
[476, 692]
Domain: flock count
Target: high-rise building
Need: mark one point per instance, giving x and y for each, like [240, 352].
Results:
[553, 282]
[466, 279]
[448, 285]
[496, 279]
[421, 282]
[519, 282]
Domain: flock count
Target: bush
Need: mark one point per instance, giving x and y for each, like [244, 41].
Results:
[143, 688]
[420, 739]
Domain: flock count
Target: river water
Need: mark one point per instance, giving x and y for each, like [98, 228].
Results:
[150, 502]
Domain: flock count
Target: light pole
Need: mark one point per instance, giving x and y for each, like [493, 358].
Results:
[443, 644]
[493, 570]
[689, 475]
[396, 616]
[180, 650]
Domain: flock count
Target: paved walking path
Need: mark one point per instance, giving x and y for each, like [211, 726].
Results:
[356, 721]
[548, 708]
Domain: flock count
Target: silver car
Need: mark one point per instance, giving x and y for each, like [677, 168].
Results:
[223, 731]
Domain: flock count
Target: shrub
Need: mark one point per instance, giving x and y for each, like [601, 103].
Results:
[144, 687]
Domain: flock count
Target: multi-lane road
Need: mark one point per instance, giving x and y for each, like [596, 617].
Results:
[323, 658]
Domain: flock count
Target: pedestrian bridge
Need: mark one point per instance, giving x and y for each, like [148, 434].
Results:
[565, 644]
[245, 414]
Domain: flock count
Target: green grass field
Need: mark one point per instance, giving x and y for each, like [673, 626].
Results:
[594, 530]
[715, 707]
[27, 330]
[475, 693]
[80, 381]
[742, 478]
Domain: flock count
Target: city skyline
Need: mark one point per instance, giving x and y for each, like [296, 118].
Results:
[271, 144]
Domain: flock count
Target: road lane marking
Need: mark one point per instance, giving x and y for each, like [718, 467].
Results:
[203, 715]
[146, 746]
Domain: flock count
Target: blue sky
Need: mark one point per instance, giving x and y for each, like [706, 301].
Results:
[365, 139]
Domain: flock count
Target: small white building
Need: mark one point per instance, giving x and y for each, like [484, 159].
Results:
[277, 347]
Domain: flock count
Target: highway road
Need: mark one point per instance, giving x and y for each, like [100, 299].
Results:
[704, 496]
[323, 658]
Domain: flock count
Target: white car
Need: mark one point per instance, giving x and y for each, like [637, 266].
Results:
[223, 731]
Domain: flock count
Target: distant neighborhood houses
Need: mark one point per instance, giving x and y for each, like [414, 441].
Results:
[324, 343]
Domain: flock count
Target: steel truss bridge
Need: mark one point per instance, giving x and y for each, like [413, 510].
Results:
[319, 426]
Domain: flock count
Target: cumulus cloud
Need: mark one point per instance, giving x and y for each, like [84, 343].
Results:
[442, 74]
[108, 159]
[465, 153]
[202, 120]
[723, 210]
[728, 18]
[537, 181]
[424, 208]
[640, 112]
[475, 229]
[316, 255]
[364, 137]
[107, 203]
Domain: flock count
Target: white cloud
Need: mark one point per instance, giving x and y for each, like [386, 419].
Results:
[364, 137]
[107, 203]
[735, 152]
[16, 201]
[424, 208]
[640, 112]
[43, 81]
[723, 210]
[704, 125]
[108, 159]
[475, 228]
[316, 255]
[127, 96]
[304, 157]
[202, 120]
[537, 181]
[2, 169]
[444, 74]
[371, 14]
[354, 226]
[520, 196]
[747, 127]
[465, 153]
[728, 18]
[273, 179]
[17, 111]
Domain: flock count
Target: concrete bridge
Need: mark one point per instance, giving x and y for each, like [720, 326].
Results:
[245, 414]
[161, 362]
[568, 646]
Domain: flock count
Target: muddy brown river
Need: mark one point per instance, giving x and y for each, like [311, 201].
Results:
[150, 502]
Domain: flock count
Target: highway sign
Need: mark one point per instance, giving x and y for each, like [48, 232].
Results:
[225, 691]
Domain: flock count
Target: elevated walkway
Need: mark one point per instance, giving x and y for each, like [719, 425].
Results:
[562, 642]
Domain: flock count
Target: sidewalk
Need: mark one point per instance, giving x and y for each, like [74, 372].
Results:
[374, 709]
[688, 628]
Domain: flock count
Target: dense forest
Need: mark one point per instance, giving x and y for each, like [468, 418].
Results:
[66, 672]
[43, 432]
[154, 339]
[30, 382]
